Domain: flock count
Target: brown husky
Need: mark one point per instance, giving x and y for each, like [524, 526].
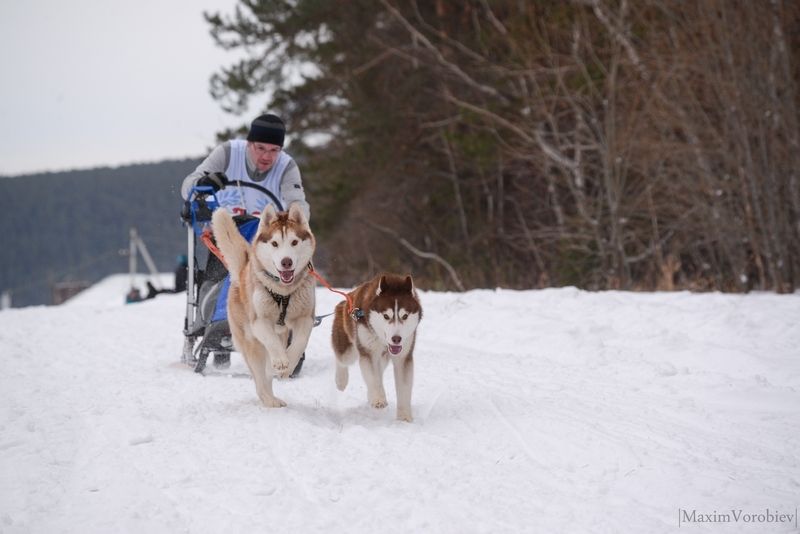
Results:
[383, 329]
[271, 298]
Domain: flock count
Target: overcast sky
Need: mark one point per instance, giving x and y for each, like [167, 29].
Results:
[89, 83]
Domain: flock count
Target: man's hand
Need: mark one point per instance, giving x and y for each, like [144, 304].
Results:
[217, 180]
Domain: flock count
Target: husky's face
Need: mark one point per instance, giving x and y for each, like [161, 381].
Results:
[395, 313]
[284, 242]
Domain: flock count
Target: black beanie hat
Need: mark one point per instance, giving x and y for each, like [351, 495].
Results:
[267, 128]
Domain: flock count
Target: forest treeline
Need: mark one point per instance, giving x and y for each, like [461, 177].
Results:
[73, 226]
[648, 144]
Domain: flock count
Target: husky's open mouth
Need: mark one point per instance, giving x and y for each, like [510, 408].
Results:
[395, 349]
[287, 277]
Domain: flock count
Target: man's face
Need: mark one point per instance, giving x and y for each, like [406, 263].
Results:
[263, 155]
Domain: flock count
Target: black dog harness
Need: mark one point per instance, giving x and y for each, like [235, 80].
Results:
[283, 304]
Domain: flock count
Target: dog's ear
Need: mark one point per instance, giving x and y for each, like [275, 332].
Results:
[297, 214]
[268, 215]
[381, 286]
[408, 284]
[266, 218]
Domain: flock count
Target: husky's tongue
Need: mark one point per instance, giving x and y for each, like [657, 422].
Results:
[395, 349]
[286, 276]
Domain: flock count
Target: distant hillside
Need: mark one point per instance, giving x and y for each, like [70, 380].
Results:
[66, 226]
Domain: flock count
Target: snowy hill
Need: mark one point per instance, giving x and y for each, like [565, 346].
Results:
[536, 411]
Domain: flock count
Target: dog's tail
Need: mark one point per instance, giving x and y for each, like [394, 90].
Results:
[230, 242]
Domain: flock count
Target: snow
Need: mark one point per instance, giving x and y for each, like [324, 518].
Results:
[556, 410]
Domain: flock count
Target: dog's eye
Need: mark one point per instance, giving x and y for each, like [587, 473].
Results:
[294, 243]
[405, 316]
[386, 316]
[275, 244]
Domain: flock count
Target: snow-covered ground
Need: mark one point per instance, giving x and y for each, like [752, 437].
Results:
[536, 411]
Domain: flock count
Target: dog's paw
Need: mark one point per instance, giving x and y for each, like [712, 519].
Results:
[342, 377]
[378, 403]
[273, 402]
[404, 415]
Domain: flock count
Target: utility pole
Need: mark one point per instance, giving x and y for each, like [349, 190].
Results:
[137, 244]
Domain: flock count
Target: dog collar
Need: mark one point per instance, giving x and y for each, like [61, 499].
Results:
[271, 276]
[275, 278]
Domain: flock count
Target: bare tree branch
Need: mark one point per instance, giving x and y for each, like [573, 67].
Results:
[422, 254]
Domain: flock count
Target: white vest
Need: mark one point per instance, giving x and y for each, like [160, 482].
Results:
[236, 199]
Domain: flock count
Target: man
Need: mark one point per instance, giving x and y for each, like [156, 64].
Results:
[259, 159]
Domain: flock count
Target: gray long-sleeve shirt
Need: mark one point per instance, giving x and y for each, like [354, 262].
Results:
[218, 160]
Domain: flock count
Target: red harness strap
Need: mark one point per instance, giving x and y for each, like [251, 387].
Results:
[350, 306]
[206, 238]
